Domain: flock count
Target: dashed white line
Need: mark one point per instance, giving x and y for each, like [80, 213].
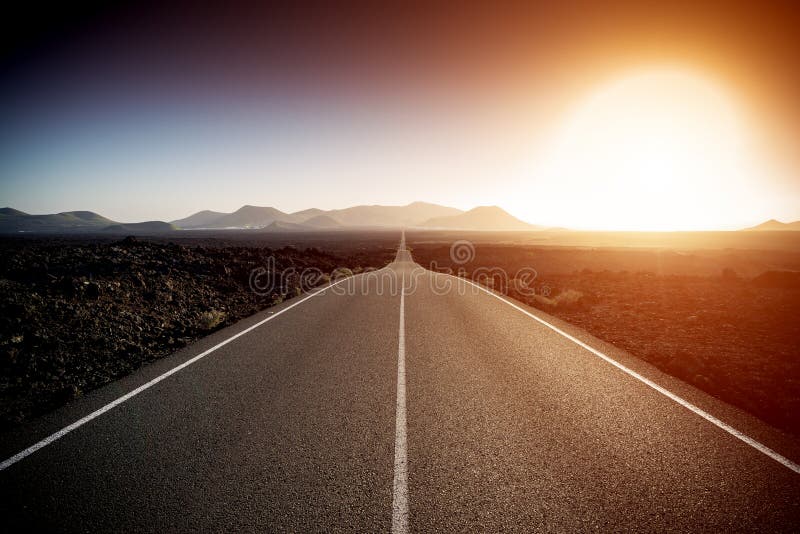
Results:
[80, 422]
[400, 494]
[667, 393]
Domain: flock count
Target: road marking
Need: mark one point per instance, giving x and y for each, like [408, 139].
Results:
[686, 404]
[400, 498]
[80, 422]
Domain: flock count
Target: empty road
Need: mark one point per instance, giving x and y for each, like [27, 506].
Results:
[404, 401]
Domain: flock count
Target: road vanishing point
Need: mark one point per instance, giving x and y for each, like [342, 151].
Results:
[400, 400]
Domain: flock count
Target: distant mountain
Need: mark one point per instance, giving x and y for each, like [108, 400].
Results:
[11, 211]
[391, 216]
[322, 221]
[201, 219]
[416, 214]
[71, 222]
[14, 221]
[252, 217]
[142, 228]
[284, 226]
[481, 218]
[307, 214]
[363, 216]
[773, 225]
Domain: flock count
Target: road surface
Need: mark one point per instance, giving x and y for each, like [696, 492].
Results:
[365, 407]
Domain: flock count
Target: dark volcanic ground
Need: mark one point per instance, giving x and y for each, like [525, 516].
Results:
[76, 314]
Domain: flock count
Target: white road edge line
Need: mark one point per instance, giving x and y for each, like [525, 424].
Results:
[80, 422]
[400, 494]
[686, 404]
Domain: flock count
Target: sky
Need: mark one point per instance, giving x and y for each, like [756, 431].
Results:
[587, 115]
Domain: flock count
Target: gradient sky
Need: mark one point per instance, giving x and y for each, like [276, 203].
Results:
[629, 115]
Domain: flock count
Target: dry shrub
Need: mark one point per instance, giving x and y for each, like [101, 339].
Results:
[570, 298]
[211, 319]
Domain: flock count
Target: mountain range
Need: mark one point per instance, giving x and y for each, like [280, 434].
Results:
[269, 219]
[416, 214]
[772, 225]
[15, 221]
[482, 217]
[413, 214]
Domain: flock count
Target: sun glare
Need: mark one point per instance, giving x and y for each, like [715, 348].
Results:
[657, 150]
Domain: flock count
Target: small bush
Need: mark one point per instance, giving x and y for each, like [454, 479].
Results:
[569, 298]
[211, 319]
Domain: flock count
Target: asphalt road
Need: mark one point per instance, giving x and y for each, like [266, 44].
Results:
[367, 408]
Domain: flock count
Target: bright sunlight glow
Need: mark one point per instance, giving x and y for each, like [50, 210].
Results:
[661, 149]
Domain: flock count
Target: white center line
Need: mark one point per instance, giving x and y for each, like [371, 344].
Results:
[80, 422]
[400, 498]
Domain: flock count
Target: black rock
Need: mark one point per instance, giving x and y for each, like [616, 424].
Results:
[92, 290]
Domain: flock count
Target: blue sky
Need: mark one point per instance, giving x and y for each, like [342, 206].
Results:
[164, 162]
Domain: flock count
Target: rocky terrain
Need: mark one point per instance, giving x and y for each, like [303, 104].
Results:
[76, 314]
[694, 316]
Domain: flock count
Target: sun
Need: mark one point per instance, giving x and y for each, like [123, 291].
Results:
[659, 149]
